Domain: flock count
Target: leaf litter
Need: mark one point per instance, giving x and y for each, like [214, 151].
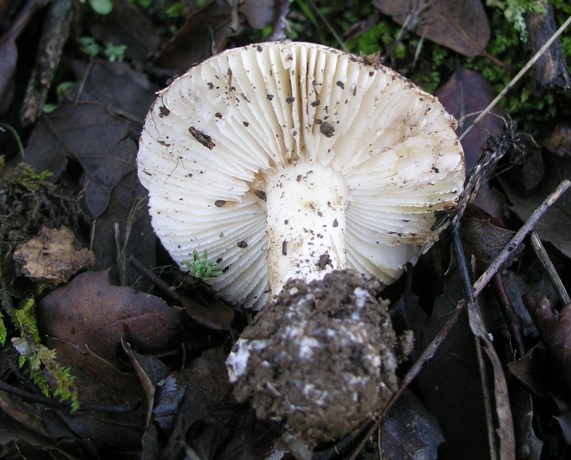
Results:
[149, 363]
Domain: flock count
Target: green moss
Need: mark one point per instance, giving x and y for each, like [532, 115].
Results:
[40, 362]
[3, 330]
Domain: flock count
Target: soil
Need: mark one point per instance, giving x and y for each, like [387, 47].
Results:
[321, 358]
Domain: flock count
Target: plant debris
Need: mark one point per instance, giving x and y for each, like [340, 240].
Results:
[53, 256]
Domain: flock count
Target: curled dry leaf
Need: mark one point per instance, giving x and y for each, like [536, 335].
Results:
[460, 26]
[89, 313]
[93, 136]
[53, 256]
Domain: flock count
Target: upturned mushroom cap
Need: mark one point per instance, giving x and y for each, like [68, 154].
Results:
[294, 156]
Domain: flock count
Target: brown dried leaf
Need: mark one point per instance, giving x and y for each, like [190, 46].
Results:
[53, 256]
[99, 140]
[204, 34]
[483, 239]
[555, 224]
[459, 25]
[91, 314]
[464, 96]
[118, 422]
[206, 31]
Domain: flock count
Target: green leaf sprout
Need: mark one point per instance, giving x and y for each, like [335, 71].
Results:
[200, 267]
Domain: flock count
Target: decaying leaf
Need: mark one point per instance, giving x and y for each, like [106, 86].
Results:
[127, 25]
[559, 141]
[92, 315]
[93, 136]
[204, 34]
[461, 26]
[555, 223]
[204, 420]
[410, 431]
[118, 419]
[124, 90]
[452, 384]
[556, 332]
[53, 256]
[206, 31]
[464, 96]
[483, 239]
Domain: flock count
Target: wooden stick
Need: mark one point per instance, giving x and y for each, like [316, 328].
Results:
[520, 74]
[495, 266]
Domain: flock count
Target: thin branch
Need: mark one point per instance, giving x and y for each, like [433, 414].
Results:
[514, 243]
[520, 74]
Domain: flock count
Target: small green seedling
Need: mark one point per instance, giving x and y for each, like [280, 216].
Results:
[201, 267]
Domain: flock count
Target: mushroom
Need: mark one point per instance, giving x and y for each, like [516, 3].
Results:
[291, 160]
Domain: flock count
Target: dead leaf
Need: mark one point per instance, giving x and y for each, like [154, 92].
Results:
[217, 316]
[464, 96]
[204, 420]
[125, 91]
[460, 26]
[529, 445]
[484, 240]
[204, 34]
[92, 315]
[555, 224]
[451, 383]
[126, 25]
[93, 136]
[556, 332]
[53, 256]
[206, 31]
[410, 431]
[124, 229]
[559, 141]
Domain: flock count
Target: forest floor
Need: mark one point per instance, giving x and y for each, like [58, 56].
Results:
[109, 350]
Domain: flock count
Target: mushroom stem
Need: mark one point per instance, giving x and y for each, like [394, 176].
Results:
[306, 205]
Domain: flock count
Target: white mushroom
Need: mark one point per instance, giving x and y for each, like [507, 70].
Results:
[289, 160]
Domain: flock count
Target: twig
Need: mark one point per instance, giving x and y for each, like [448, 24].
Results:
[329, 26]
[477, 327]
[154, 279]
[280, 25]
[549, 267]
[51, 402]
[462, 264]
[520, 74]
[495, 266]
